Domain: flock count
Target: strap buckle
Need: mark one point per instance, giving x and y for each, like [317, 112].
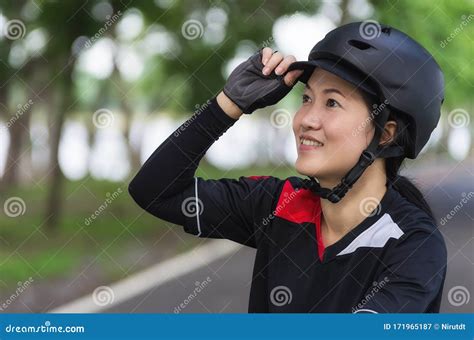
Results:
[367, 158]
[333, 198]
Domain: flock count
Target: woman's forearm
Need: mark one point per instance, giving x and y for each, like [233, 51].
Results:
[171, 167]
[228, 106]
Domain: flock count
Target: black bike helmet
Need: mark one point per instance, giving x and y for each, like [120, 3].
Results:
[388, 64]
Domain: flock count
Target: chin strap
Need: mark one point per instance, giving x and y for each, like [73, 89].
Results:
[367, 157]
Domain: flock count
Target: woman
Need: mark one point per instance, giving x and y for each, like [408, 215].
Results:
[355, 236]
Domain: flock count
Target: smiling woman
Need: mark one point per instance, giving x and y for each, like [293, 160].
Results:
[325, 242]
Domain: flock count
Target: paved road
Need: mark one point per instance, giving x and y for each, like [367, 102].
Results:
[225, 289]
[228, 280]
[459, 236]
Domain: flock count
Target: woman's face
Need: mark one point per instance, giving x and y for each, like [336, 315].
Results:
[333, 113]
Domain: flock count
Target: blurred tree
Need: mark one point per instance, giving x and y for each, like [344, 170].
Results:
[204, 35]
[191, 67]
[64, 23]
[12, 93]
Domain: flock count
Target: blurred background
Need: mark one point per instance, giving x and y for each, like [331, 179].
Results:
[89, 89]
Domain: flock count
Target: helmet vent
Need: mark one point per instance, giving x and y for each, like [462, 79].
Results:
[360, 44]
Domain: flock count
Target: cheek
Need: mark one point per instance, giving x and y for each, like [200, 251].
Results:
[345, 143]
[297, 122]
[347, 135]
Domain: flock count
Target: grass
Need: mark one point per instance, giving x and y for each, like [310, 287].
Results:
[122, 228]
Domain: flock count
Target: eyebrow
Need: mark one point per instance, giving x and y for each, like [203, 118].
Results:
[329, 90]
[334, 90]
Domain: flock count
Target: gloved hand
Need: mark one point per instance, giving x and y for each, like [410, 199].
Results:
[250, 89]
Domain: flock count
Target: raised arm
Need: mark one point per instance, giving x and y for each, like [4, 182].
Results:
[165, 186]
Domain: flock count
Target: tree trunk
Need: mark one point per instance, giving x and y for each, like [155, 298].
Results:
[127, 111]
[345, 16]
[133, 152]
[19, 132]
[56, 177]
[25, 163]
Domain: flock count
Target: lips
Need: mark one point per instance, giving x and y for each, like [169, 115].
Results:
[308, 143]
[308, 140]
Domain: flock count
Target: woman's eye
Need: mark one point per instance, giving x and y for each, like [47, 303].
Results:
[332, 103]
[305, 98]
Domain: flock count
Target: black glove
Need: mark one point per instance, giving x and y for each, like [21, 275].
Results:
[250, 89]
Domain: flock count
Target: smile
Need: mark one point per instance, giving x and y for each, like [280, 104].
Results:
[309, 144]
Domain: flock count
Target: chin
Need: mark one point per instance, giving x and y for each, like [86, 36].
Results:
[308, 168]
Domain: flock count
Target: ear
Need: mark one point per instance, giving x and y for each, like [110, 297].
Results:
[389, 132]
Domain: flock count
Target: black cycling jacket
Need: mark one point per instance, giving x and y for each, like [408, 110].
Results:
[393, 261]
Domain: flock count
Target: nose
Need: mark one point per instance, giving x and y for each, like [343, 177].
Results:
[310, 120]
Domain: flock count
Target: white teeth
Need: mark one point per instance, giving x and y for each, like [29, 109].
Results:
[310, 142]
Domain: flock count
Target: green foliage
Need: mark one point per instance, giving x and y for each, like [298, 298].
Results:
[192, 71]
[196, 70]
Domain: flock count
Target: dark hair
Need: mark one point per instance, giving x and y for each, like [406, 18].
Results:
[393, 164]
